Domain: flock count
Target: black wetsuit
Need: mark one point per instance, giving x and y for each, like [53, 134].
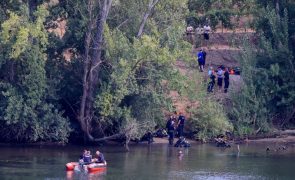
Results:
[226, 81]
[211, 83]
[204, 57]
[181, 120]
[170, 129]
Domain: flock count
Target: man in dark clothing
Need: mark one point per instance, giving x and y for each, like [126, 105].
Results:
[99, 158]
[180, 124]
[87, 158]
[83, 154]
[212, 82]
[170, 129]
[200, 56]
[226, 80]
[204, 57]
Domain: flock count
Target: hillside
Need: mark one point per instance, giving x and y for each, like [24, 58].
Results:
[224, 49]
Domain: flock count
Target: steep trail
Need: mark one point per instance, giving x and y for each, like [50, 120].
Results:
[224, 48]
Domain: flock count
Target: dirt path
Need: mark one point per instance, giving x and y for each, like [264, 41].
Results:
[287, 139]
[165, 141]
[287, 136]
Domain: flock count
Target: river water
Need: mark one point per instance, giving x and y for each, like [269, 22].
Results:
[151, 162]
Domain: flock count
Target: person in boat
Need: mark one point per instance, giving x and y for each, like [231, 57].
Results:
[87, 158]
[83, 154]
[99, 158]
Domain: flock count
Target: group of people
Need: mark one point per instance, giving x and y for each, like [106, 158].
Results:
[222, 75]
[175, 125]
[198, 36]
[86, 158]
[205, 31]
[200, 31]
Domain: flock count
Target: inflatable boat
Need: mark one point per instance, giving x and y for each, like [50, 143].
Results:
[91, 168]
[71, 166]
[96, 167]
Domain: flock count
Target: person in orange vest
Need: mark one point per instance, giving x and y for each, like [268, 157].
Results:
[232, 71]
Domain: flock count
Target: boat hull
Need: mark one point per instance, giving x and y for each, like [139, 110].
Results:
[91, 168]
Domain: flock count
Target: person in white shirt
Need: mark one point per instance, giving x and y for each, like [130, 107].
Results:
[189, 30]
[207, 30]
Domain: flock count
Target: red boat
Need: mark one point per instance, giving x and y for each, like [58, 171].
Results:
[71, 166]
[91, 168]
[96, 167]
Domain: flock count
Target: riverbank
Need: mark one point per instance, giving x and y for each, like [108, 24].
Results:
[287, 136]
[281, 137]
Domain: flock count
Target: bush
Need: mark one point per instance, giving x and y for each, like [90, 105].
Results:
[209, 120]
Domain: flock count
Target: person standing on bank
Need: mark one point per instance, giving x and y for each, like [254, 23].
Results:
[212, 76]
[226, 80]
[219, 78]
[207, 30]
[201, 60]
[170, 129]
[198, 36]
[180, 125]
[204, 57]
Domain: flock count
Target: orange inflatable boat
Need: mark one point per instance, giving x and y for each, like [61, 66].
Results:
[96, 167]
[71, 166]
[93, 167]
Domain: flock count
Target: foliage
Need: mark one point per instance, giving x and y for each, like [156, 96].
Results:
[25, 114]
[40, 92]
[209, 120]
[268, 93]
[249, 114]
[214, 12]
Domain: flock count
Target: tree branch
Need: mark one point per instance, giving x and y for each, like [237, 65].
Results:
[152, 4]
[124, 22]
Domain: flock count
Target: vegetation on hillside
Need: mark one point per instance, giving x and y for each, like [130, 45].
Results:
[267, 97]
[109, 72]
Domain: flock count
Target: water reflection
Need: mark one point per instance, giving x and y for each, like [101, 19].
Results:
[72, 175]
[150, 162]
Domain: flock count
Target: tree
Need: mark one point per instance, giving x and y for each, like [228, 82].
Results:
[92, 61]
[268, 70]
[25, 114]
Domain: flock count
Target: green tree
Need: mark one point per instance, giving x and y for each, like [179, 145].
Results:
[268, 70]
[25, 114]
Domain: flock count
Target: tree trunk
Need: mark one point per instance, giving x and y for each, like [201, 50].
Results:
[11, 72]
[86, 65]
[92, 63]
[278, 7]
[151, 6]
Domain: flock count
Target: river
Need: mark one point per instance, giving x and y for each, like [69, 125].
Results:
[157, 161]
